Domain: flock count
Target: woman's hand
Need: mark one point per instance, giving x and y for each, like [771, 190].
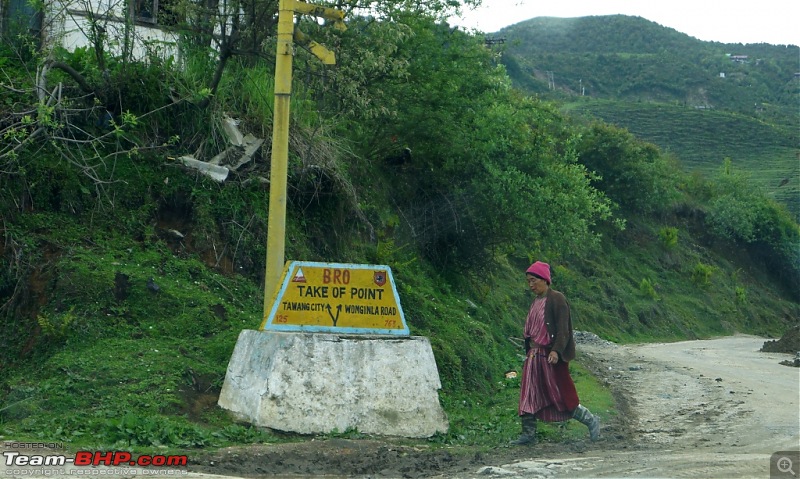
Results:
[552, 358]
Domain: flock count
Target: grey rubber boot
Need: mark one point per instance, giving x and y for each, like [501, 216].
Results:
[528, 437]
[585, 417]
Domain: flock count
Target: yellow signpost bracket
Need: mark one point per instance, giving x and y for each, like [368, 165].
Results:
[326, 56]
[276, 228]
[327, 13]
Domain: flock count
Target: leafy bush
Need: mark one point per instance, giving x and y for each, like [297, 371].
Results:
[742, 213]
[57, 326]
[629, 171]
[647, 289]
[668, 237]
[701, 274]
[741, 295]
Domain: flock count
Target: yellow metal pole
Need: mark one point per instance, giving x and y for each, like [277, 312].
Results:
[276, 229]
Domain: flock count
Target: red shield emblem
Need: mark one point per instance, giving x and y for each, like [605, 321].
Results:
[380, 278]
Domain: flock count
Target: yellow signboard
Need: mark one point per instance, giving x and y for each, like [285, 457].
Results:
[334, 297]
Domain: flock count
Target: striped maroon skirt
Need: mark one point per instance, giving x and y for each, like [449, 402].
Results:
[546, 390]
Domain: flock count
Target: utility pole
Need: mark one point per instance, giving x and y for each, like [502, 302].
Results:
[276, 227]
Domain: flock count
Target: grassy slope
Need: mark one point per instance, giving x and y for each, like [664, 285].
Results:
[702, 139]
[142, 372]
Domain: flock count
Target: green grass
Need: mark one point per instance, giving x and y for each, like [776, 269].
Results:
[133, 372]
[109, 363]
[117, 364]
[608, 299]
[140, 372]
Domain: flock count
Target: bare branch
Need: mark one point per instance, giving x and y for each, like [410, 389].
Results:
[82, 83]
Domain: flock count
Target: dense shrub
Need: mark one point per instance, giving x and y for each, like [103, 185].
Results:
[740, 212]
[632, 173]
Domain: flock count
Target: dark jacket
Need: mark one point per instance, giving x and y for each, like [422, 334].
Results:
[558, 320]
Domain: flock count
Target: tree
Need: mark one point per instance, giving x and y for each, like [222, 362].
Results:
[742, 213]
[631, 172]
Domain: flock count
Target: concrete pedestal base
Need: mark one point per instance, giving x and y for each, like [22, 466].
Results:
[316, 383]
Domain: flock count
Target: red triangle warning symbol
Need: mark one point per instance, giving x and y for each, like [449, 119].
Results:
[299, 277]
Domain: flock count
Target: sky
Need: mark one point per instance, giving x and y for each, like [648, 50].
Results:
[727, 21]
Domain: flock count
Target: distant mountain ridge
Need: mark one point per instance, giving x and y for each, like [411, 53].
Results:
[625, 70]
[597, 34]
[631, 58]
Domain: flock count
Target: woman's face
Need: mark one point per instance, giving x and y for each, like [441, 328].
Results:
[537, 285]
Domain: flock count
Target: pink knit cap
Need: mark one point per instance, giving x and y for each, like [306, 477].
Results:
[540, 270]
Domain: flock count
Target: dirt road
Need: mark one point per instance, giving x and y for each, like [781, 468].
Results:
[715, 408]
[702, 409]
[711, 409]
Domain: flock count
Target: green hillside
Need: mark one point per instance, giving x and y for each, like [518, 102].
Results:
[126, 276]
[703, 139]
[630, 58]
[687, 96]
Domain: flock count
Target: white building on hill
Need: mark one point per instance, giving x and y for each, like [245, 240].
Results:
[138, 27]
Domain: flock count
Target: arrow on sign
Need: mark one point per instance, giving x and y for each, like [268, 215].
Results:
[338, 310]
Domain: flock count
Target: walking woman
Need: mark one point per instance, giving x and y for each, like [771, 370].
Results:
[547, 392]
